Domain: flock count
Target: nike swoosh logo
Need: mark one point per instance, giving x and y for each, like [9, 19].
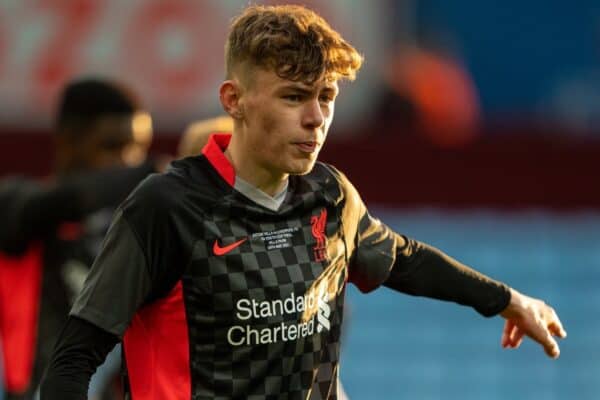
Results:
[219, 251]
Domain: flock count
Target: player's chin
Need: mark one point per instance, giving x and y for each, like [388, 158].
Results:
[302, 167]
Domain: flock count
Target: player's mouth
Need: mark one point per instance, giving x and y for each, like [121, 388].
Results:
[307, 147]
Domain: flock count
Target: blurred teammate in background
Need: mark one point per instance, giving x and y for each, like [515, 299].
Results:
[51, 231]
[196, 134]
[226, 276]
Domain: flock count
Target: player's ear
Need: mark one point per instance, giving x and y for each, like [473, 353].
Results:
[230, 93]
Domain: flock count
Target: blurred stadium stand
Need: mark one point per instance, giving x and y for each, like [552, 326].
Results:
[401, 347]
[518, 170]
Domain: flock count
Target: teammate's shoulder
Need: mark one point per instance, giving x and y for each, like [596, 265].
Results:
[13, 187]
[17, 183]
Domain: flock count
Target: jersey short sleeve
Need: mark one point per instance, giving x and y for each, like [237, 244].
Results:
[374, 254]
[118, 283]
[373, 245]
[141, 260]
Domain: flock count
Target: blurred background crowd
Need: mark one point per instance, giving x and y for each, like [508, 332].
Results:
[474, 126]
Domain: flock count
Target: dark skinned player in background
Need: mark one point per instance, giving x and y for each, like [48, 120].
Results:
[51, 231]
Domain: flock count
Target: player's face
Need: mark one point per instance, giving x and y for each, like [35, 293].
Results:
[116, 141]
[286, 122]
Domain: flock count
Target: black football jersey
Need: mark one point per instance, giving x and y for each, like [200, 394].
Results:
[219, 297]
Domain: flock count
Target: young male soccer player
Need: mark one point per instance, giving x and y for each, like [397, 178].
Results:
[226, 276]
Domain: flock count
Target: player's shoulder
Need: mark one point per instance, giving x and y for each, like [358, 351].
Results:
[327, 178]
[156, 188]
[184, 180]
[327, 174]
[331, 176]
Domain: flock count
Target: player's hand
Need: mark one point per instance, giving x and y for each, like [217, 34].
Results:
[526, 316]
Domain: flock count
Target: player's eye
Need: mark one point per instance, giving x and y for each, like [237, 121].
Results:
[293, 97]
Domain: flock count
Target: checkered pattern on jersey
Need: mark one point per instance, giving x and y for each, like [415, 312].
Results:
[244, 346]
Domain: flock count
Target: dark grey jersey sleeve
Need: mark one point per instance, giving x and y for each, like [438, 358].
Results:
[118, 283]
[374, 254]
[371, 244]
[141, 260]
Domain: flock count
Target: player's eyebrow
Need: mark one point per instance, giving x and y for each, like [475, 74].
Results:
[297, 87]
[301, 88]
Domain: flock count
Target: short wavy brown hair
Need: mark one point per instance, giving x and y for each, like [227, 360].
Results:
[293, 41]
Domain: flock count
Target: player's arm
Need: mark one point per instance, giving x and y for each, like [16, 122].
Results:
[380, 256]
[80, 350]
[140, 261]
[118, 283]
[30, 211]
[422, 270]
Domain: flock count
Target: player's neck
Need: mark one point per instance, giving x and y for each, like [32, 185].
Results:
[270, 182]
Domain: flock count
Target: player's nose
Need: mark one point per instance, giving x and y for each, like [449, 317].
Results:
[313, 116]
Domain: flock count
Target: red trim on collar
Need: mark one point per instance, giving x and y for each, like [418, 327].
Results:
[217, 143]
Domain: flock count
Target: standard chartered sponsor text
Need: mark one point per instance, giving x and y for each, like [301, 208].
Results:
[245, 334]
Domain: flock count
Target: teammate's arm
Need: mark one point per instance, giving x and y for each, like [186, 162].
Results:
[30, 211]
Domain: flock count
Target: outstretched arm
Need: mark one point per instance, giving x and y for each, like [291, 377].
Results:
[381, 256]
[422, 270]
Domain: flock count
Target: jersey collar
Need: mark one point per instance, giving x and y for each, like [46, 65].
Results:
[214, 153]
